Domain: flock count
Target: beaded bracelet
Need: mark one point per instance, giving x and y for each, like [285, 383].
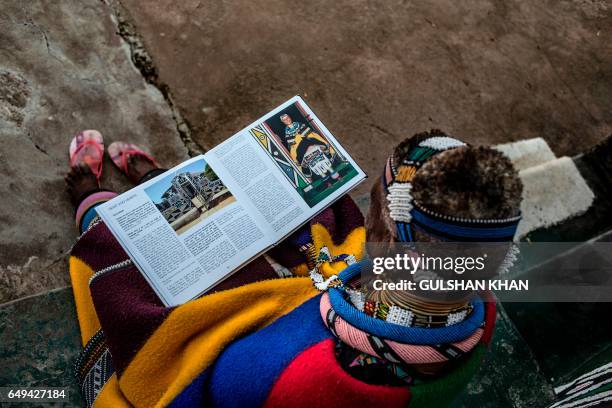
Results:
[390, 350]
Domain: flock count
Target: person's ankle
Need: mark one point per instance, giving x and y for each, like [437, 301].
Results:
[138, 167]
[80, 181]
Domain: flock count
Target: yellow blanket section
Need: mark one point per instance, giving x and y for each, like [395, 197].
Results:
[80, 273]
[192, 337]
[195, 333]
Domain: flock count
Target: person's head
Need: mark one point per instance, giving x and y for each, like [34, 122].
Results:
[286, 119]
[442, 175]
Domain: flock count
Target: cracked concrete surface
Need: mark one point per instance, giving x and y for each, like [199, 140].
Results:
[377, 71]
[63, 68]
[179, 77]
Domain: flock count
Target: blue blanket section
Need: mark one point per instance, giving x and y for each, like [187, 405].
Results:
[246, 371]
[193, 394]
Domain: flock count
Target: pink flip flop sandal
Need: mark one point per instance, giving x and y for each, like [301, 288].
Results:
[120, 152]
[87, 147]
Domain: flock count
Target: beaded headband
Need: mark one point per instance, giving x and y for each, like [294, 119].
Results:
[410, 215]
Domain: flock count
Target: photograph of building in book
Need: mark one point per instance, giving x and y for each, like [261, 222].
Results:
[190, 195]
[307, 157]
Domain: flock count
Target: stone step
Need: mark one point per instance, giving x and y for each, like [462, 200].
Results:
[554, 189]
[40, 341]
[527, 153]
[595, 167]
[553, 192]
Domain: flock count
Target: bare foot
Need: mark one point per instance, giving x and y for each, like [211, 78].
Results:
[138, 166]
[80, 180]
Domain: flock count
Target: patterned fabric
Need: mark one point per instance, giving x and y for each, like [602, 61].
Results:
[255, 340]
[164, 354]
[94, 368]
[593, 389]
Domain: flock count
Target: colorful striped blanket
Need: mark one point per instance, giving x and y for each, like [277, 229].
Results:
[256, 340]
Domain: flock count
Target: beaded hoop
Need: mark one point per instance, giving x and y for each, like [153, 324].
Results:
[404, 316]
[412, 313]
[393, 351]
[402, 334]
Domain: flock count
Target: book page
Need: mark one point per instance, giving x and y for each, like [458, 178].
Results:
[197, 223]
[245, 168]
[288, 165]
[185, 230]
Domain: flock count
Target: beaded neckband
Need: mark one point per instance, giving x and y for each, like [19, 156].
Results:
[390, 349]
[403, 334]
[407, 316]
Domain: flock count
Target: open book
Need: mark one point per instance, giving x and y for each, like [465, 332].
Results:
[194, 225]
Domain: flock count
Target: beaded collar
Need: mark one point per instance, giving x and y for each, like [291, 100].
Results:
[409, 317]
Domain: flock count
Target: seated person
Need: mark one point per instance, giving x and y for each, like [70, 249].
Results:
[309, 149]
[311, 339]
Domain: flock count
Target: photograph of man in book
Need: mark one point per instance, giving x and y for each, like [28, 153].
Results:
[304, 153]
[309, 149]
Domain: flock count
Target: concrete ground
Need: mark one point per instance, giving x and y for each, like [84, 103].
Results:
[63, 68]
[377, 71]
[179, 77]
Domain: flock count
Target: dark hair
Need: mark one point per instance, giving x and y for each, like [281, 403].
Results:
[469, 182]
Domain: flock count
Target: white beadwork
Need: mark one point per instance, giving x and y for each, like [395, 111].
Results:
[319, 280]
[357, 298]
[400, 201]
[509, 260]
[466, 220]
[400, 316]
[350, 259]
[324, 251]
[454, 318]
[441, 143]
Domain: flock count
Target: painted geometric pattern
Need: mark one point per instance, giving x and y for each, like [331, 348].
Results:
[280, 157]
